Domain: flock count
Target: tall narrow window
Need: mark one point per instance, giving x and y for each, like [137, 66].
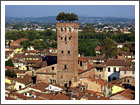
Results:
[68, 52]
[80, 63]
[62, 51]
[114, 69]
[65, 66]
[65, 38]
[61, 38]
[61, 29]
[65, 29]
[69, 29]
[124, 72]
[108, 69]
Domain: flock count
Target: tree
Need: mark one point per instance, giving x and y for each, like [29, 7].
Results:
[25, 44]
[87, 47]
[10, 73]
[9, 63]
[62, 16]
[109, 48]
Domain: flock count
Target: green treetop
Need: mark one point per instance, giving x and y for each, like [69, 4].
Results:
[63, 17]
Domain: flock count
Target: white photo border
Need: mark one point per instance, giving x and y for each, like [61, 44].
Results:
[135, 3]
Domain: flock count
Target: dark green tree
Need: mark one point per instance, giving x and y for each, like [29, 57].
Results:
[109, 48]
[9, 63]
[87, 47]
[10, 73]
[62, 16]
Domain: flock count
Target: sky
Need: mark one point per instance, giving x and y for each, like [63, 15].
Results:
[126, 11]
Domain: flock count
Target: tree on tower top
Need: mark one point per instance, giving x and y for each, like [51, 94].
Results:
[66, 17]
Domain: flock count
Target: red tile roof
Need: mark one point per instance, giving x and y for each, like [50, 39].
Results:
[99, 81]
[25, 80]
[117, 62]
[9, 67]
[98, 48]
[40, 86]
[82, 59]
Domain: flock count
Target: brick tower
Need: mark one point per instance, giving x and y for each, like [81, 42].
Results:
[67, 55]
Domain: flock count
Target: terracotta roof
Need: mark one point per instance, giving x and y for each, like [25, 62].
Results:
[37, 98]
[117, 62]
[9, 98]
[40, 86]
[99, 57]
[102, 65]
[31, 56]
[7, 85]
[60, 97]
[32, 51]
[125, 95]
[9, 67]
[20, 71]
[118, 80]
[33, 61]
[127, 69]
[25, 80]
[90, 66]
[8, 52]
[80, 71]
[82, 59]
[98, 48]
[46, 96]
[21, 96]
[99, 81]
[33, 92]
[129, 94]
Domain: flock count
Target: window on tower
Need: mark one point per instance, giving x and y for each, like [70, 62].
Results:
[65, 66]
[62, 51]
[68, 52]
[69, 38]
[69, 29]
[61, 29]
[61, 38]
[65, 38]
[65, 29]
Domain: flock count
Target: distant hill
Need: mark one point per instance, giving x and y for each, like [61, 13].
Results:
[52, 19]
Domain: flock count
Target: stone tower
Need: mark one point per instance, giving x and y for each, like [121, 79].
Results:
[67, 55]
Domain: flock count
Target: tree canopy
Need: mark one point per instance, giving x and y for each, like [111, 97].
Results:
[10, 73]
[62, 16]
[109, 48]
[9, 63]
